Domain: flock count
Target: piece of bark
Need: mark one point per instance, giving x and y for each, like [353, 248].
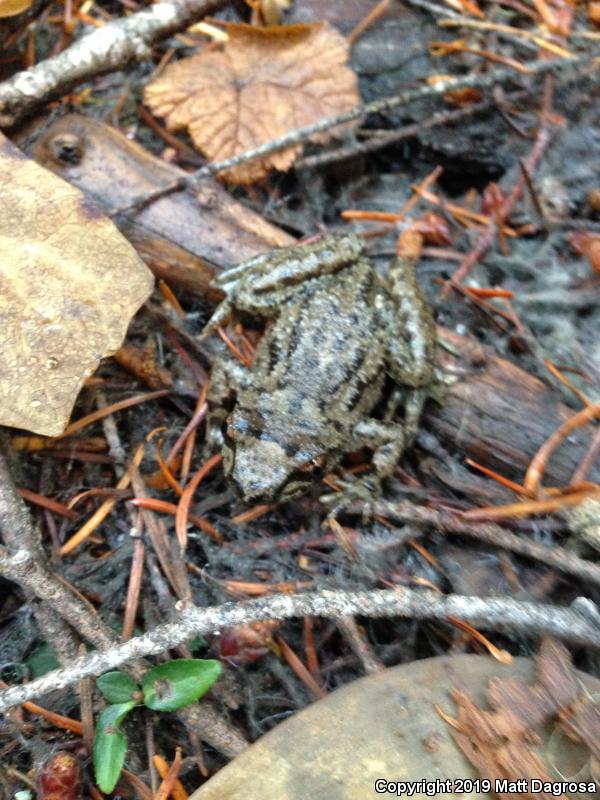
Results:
[184, 236]
[493, 411]
[499, 415]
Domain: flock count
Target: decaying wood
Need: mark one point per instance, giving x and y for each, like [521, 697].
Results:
[493, 411]
[500, 415]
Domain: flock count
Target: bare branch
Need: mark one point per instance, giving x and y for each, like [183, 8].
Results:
[437, 119]
[103, 50]
[493, 613]
[24, 569]
[24, 562]
[16, 528]
[566, 70]
[556, 557]
[356, 639]
[451, 18]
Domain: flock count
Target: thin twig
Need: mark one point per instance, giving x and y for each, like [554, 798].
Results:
[23, 561]
[532, 619]
[393, 137]
[488, 235]
[86, 688]
[16, 528]
[452, 18]
[205, 718]
[482, 81]
[555, 557]
[18, 532]
[25, 570]
[356, 639]
[367, 21]
[588, 460]
[566, 69]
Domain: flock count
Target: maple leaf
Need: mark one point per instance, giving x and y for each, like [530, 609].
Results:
[263, 83]
[69, 284]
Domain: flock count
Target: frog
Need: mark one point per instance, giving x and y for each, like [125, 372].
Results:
[336, 333]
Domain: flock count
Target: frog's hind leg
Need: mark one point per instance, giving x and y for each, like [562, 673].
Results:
[388, 440]
[412, 342]
[294, 264]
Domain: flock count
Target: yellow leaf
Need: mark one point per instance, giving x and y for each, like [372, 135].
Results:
[263, 83]
[69, 284]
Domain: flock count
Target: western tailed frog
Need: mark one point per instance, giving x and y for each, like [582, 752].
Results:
[338, 330]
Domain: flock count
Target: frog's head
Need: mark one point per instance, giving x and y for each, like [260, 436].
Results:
[260, 467]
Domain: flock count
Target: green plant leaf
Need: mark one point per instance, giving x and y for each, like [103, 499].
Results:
[178, 683]
[110, 746]
[118, 687]
[197, 643]
[41, 661]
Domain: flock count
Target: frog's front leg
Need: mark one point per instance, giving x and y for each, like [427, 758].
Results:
[227, 377]
[411, 401]
[388, 441]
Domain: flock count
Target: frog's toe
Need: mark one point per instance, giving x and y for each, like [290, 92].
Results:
[219, 317]
[354, 498]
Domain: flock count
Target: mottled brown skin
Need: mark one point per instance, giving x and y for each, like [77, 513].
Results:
[338, 329]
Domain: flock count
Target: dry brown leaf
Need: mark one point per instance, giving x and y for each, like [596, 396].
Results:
[69, 284]
[263, 83]
[10, 8]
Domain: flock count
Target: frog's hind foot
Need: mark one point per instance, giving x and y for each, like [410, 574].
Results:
[358, 497]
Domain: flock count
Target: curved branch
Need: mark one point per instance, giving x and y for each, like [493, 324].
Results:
[497, 614]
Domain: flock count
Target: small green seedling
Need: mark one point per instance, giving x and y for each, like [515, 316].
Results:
[167, 687]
